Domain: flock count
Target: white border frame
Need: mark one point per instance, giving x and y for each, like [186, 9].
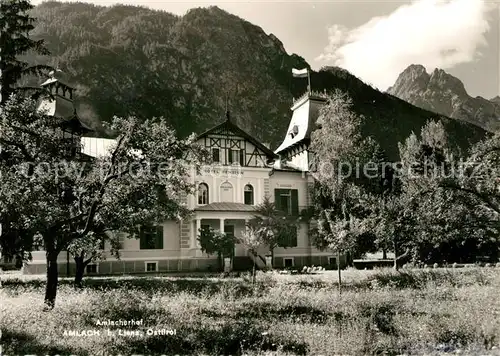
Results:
[288, 258]
[146, 266]
[96, 264]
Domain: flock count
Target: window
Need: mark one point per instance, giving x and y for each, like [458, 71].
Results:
[215, 155]
[242, 158]
[229, 230]
[151, 238]
[288, 262]
[287, 201]
[151, 266]
[203, 194]
[248, 194]
[233, 156]
[290, 239]
[332, 261]
[91, 268]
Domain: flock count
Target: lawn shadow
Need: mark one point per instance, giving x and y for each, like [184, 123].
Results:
[20, 343]
[233, 338]
[149, 285]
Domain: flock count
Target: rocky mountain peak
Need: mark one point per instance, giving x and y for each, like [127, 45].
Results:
[440, 80]
[445, 94]
[413, 78]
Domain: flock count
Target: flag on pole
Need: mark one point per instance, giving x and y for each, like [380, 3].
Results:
[300, 73]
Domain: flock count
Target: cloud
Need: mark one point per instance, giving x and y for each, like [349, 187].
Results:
[436, 34]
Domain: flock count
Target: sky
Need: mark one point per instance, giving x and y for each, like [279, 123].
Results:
[377, 40]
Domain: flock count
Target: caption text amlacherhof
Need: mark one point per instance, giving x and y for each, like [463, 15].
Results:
[125, 331]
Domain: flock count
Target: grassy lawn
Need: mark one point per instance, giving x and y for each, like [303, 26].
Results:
[432, 311]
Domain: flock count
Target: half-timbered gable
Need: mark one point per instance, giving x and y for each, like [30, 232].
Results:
[238, 172]
[230, 145]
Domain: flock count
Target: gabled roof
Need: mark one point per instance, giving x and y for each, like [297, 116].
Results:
[226, 207]
[61, 107]
[230, 126]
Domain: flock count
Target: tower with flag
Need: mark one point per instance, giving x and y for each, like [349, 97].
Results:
[303, 73]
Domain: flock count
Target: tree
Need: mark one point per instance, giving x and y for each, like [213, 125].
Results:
[253, 239]
[15, 25]
[340, 193]
[419, 218]
[216, 242]
[476, 182]
[65, 199]
[399, 207]
[273, 226]
[479, 175]
[91, 248]
[393, 225]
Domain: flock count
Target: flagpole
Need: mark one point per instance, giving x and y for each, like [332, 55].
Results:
[308, 81]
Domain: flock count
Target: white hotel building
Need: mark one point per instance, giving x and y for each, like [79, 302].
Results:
[226, 198]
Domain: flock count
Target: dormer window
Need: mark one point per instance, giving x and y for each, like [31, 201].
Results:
[215, 155]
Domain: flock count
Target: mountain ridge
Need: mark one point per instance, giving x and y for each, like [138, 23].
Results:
[445, 94]
[149, 63]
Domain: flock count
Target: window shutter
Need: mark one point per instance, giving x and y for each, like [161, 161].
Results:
[159, 237]
[277, 202]
[143, 241]
[230, 156]
[242, 158]
[295, 202]
[293, 238]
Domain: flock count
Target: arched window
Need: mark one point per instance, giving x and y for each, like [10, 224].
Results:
[248, 194]
[202, 194]
[226, 193]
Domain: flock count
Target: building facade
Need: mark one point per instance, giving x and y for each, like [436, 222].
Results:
[243, 172]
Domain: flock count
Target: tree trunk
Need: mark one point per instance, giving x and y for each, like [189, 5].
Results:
[396, 266]
[272, 258]
[253, 272]
[401, 258]
[221, 262]
[340, 272]
[80, 270]
[52, 276]
[67, 263]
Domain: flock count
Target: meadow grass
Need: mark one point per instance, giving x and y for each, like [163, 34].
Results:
[379, 312]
